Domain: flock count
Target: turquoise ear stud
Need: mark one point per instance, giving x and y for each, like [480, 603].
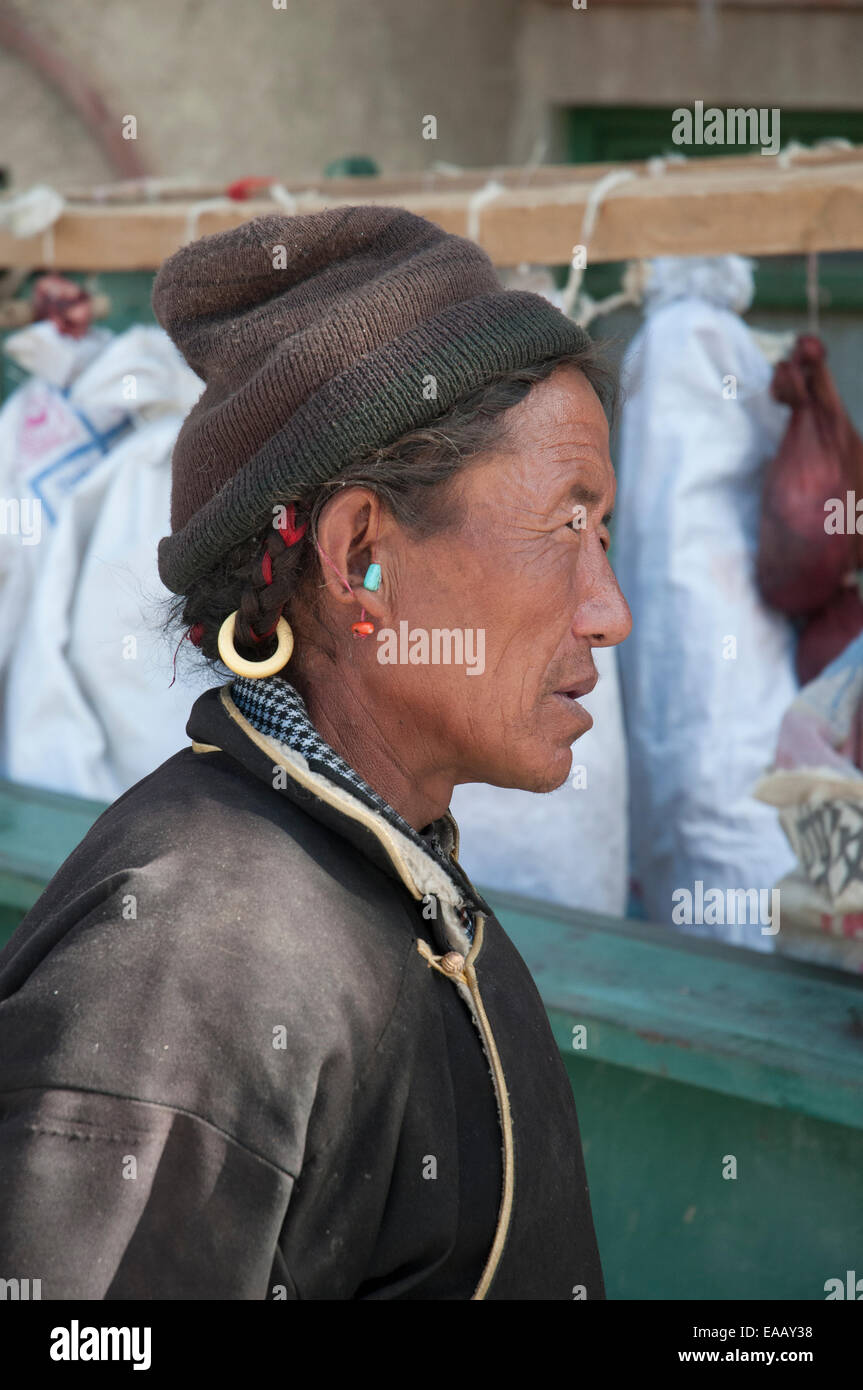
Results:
[372, 579]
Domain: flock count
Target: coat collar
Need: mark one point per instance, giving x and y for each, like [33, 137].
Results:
[216, 723]
[275, 707]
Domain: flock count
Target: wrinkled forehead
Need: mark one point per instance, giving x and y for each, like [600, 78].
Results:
[560, 416]
[556, 445]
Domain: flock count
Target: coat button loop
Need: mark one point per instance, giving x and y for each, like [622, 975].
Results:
[452, 963]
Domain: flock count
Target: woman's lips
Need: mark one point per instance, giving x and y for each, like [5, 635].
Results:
[569, 698]
[579, 688]
[570, 702]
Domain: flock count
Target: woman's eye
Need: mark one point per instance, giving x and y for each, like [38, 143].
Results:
[577, 525]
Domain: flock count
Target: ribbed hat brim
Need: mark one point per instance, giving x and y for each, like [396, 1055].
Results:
[369, 406]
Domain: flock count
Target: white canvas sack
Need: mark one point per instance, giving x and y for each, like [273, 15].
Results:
[708, 671]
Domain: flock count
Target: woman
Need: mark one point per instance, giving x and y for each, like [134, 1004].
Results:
[261, 1037]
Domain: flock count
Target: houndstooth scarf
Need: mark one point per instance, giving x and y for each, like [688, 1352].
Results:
[275, 708]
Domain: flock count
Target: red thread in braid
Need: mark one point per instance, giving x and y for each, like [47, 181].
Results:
[289, 531]
[264, 635]
[267, 572]
[290, 534]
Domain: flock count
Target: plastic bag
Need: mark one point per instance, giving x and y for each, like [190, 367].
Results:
[88, 707]
[817, 784]
[48, 445]
[708, 671]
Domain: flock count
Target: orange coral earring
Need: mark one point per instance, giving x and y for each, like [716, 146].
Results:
[364, 628]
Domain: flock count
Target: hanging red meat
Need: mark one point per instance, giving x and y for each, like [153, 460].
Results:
[68, 305]
[800, 564]
[809, 548]
[828, 632]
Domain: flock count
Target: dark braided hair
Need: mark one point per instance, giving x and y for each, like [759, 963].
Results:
[410, 476]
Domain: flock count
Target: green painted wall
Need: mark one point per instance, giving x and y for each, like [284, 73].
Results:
[670, 1226]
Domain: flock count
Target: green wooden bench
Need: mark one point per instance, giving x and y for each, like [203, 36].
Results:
[38, 830]
[693, 1054]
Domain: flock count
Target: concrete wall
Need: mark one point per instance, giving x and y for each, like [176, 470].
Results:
[232, 87]
[675, 55]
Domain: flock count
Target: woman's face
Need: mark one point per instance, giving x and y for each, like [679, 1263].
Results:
[526, 582]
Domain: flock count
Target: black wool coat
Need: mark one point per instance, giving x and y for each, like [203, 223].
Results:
[248, 1052]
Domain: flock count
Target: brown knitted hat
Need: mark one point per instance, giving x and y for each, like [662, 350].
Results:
[319, 336]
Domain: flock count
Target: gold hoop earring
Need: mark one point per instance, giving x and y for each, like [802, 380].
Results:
[255, 670]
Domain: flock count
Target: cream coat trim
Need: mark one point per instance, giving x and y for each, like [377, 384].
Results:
[417, 870]
[455, 833]
[466, 983]
[420, 875]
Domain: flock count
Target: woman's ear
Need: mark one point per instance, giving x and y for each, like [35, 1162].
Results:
[349, 541]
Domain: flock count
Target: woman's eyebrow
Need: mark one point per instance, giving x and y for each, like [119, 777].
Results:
[587, 497]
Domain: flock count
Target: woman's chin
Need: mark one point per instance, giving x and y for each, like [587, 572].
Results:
[548, 771]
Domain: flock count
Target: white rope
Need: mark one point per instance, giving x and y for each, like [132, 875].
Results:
[194, 211]
[784, 159]
[283, 197]
[153, 188]
[535, 159]
[789, 152]
[443, 166]
[588, 222]
[633, 284]
[309, 199]
[658, 163]
[477, 201]
[813, 290]
[597, 193]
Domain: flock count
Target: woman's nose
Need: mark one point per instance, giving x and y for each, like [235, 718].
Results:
[604, 617]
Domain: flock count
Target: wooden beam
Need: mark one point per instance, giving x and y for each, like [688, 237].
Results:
[751, 204]
[440, 178]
